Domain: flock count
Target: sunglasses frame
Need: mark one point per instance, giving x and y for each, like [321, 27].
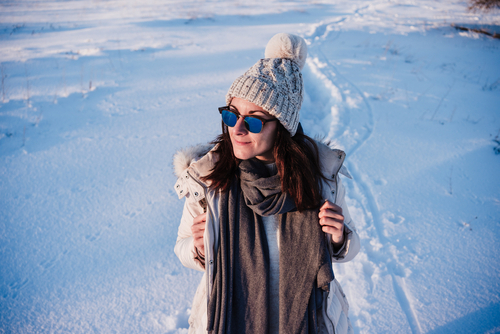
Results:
[238, 116]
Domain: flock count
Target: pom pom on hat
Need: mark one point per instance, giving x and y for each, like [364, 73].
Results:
[287, 46]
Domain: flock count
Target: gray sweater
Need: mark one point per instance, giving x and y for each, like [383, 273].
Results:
[271, 227]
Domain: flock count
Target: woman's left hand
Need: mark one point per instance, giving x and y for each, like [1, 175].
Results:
[332, 221]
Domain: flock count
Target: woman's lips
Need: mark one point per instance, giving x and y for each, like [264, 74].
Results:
[240, 143]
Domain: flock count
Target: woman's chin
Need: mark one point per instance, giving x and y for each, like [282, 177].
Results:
[243, 155]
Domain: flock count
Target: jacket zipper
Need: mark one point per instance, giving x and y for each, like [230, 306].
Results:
[326, 311]
[208, 259]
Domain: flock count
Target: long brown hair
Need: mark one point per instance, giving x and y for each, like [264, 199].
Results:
[296, 159]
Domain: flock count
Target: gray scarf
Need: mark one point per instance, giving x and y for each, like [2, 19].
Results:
[239, 299]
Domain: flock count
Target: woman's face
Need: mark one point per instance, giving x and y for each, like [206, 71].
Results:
[247, 145]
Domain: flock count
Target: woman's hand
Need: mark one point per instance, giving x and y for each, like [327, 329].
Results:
[332, 221]
[198, 228]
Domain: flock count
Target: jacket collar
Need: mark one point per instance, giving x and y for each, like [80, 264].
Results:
[330, 160]
[199, 161]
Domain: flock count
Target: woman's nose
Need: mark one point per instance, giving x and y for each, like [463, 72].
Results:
[239, 127]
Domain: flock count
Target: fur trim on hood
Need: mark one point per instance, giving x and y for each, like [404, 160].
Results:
[186, 156]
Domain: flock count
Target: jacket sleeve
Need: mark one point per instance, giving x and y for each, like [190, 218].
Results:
[352, 244]
[184, 247]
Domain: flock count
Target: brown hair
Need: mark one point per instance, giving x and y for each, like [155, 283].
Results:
[296, 159]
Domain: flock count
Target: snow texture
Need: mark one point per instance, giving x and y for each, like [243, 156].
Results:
[97, 96]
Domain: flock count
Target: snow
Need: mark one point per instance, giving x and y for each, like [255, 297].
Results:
[97, 96]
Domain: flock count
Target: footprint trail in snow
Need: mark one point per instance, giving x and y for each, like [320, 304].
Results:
[348, 124]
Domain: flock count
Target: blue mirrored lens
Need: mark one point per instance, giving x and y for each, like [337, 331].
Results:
[254, 125]
[229, 118]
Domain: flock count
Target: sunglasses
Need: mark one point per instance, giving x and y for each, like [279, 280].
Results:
[253, 124]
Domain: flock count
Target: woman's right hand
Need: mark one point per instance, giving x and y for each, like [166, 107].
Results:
[198, 229]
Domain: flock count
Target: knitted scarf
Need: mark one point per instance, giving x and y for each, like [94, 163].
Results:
[239, 300]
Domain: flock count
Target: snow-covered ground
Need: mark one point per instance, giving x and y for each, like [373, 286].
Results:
[96, 97]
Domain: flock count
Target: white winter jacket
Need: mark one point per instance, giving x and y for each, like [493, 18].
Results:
[192, 164]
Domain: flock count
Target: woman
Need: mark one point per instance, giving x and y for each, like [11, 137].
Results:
[265, 214]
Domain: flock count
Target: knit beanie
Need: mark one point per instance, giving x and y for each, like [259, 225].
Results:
[275, 82]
